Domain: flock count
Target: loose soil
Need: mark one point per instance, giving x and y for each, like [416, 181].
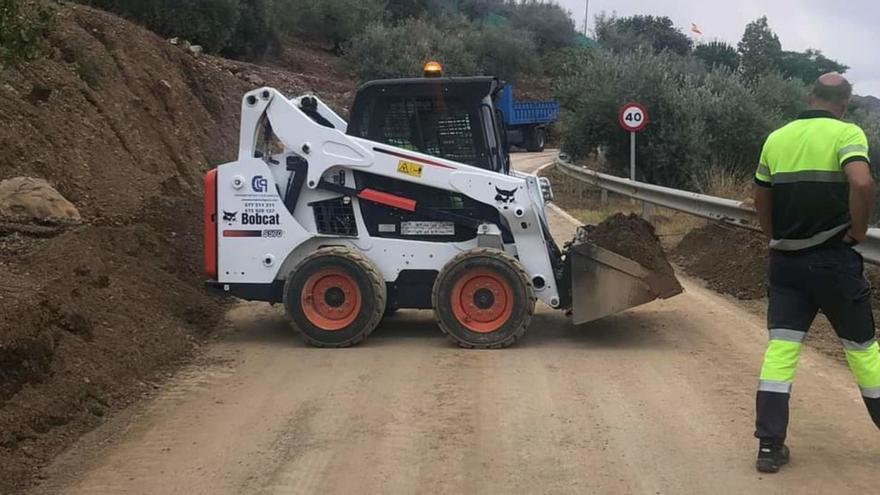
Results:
[122, 124]
[731, 260]
[632, 237]
[584, 202]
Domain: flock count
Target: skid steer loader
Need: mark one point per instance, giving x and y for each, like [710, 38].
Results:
[409, 204]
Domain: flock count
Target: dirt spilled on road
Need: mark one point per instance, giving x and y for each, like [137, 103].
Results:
[731, 260]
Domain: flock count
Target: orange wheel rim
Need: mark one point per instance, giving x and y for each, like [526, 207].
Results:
[331, 299]
[482, 301]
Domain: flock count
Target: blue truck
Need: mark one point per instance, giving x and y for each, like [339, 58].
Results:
[526, 121]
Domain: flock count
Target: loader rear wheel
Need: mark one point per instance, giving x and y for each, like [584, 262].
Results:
[335, 297]
[483, 299]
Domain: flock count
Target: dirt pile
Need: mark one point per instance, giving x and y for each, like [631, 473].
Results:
[632, 237]
[731, 260]
[123, 124]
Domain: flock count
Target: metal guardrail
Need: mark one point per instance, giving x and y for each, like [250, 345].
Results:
[725, 210]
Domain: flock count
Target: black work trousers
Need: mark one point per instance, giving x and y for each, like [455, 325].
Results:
[829, 278]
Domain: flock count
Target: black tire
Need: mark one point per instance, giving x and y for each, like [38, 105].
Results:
[535, 138]
[502, 269]
[357, 272]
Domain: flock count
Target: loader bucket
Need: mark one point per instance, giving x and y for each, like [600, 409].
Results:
[604, 283]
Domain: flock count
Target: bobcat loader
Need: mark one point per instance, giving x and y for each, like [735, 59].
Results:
[409, 204]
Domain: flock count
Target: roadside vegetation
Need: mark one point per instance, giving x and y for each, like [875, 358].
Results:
[711, 105]
[376, 38]
[23, 28]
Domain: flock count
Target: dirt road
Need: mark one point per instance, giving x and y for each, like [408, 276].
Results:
[655, 400]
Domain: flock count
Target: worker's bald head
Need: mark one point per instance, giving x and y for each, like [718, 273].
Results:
[832, 88]
[831, 93]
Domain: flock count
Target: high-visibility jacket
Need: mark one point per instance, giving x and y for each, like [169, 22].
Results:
[803, 162]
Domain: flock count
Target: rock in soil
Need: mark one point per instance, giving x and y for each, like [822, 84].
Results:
[27, 198]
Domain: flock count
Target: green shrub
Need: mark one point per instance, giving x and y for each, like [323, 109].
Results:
[23, 27]
[701, 120]
[502, 51]
[258, 31]
[870, 123]
[400, 51]
[462, 47]
[337, 21]
[234, 27]
[549, 24]
[627, 34]
[718, 54]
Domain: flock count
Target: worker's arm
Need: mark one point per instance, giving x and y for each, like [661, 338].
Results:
[764, 194]
[852, 153]
[764, 208]
[861, 198]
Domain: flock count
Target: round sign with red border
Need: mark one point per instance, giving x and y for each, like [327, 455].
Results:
[633, 117]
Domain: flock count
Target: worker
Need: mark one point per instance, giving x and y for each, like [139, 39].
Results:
[814, 196]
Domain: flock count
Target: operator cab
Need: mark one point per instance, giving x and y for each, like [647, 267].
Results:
[447, 117]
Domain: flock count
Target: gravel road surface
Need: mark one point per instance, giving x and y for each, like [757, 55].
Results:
[655, 400]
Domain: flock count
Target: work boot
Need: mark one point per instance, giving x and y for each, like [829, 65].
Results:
[771, 457]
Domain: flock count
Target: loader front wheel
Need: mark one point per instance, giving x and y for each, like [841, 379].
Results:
[483, 299]
[335, 297]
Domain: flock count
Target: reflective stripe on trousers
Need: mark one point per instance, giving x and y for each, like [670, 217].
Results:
[780, 360]
[864, 361]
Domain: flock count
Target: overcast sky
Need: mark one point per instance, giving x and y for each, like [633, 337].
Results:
[848, 32]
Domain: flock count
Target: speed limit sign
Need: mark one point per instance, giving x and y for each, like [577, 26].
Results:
[633, 117]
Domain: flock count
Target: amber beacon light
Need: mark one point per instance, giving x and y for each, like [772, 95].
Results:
[433, 69]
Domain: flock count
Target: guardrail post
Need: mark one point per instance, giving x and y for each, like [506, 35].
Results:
[647, 211]
[604, 200]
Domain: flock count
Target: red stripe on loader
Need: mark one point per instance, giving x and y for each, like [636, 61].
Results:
[210, 224]
[388, 199]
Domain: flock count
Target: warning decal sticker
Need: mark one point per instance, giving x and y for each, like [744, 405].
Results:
[409, 168]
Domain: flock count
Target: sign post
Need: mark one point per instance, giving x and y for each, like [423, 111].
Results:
[633, 118]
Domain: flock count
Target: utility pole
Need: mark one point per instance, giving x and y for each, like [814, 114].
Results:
[586, 17]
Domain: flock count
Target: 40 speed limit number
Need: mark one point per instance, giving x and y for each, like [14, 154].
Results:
[633, 117]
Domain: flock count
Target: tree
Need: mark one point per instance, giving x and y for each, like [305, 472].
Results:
[257, 31]
[502, 51]
[210, 23]
[760, 50]
[550, 25]
[383, 51]
[702, 119]
[626, 34]
[809, 65]
[337, 21]
[717, 54]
